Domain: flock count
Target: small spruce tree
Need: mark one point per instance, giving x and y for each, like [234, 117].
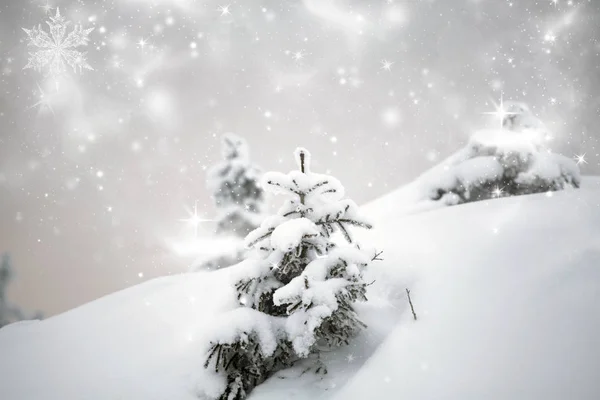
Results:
[239, 199]
[9, 313]
[236, 190]
[297, 295]
[509, 161]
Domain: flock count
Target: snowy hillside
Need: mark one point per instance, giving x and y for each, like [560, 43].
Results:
[506, 161]
[507, 294]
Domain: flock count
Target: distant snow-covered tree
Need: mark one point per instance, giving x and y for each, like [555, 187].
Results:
[235, 186]
[221, 256]
[509, 161]
[239, 200]
[297, 293]
[9, 313]
[519, 118]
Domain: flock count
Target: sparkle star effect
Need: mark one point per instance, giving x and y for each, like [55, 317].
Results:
[46, 7]
[298, 55]
[386, 65]
[550, 37]
[143, 42]
[224, 10]
[44, 101]
[580, 159]
[55, 50]
[117, 63]
[500, 113]
[194, 219]
[497, 192]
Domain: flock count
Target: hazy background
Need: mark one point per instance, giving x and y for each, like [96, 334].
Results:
[97, 169]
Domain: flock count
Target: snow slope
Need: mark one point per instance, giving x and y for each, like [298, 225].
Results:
[508, 297]
[507, 293]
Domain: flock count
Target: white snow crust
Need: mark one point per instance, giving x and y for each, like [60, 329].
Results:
[507, 294]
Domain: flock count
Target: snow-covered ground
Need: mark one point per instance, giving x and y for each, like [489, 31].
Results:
[507, 294]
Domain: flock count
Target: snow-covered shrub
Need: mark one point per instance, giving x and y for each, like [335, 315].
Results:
[502, 162]
[235, 186]
[239, 199]
[297, 294]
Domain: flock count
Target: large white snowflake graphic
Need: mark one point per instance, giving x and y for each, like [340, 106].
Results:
[55, 51]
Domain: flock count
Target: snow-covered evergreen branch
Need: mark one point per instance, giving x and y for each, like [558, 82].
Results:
[298, 295]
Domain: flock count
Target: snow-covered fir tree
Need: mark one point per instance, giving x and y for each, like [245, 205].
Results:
[508, 161]
[297, 293]
[234, 183]
[9, 313]
[239, 199]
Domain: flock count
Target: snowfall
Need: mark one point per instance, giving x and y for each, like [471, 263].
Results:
[506, 292]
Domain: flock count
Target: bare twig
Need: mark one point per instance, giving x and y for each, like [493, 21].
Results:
[411, 304]
[376, 256]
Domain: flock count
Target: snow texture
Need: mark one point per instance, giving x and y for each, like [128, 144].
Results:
[237, 323]
[219, 251]
[290, 233]
[519, 318]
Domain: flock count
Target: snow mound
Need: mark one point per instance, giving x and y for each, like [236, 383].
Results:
[494, 163]
[140, 343]
[508, 308]
[290, 233]
[206, 253]
[507, 294]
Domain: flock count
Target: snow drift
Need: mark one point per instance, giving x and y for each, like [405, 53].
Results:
[507, 294]
[511, 160]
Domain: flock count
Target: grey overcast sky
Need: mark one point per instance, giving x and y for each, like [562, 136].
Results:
[98, 168]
